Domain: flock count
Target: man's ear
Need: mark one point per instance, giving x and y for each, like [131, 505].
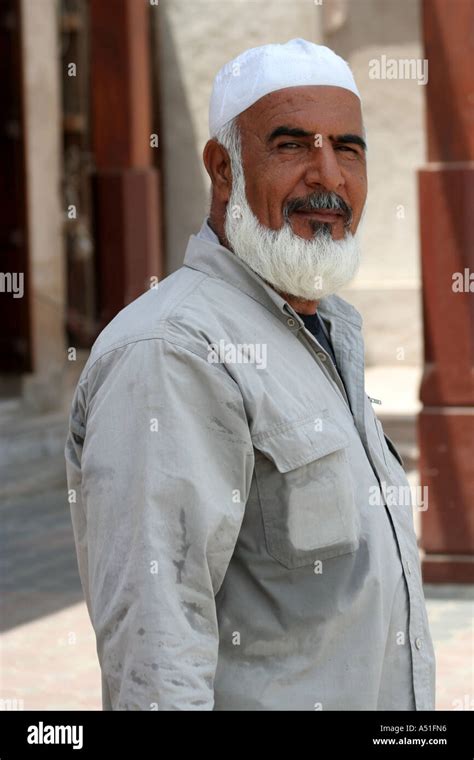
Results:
[217, 163]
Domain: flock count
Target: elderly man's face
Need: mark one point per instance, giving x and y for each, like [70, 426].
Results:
[299, 142]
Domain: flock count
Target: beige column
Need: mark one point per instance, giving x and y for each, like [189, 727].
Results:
[42, 109]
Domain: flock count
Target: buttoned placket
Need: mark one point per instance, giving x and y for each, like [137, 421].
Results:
[323, 359]
[412, 580]
[415, 628]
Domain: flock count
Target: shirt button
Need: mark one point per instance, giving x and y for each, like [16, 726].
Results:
[408, 568]
[418, 642]
[291, 322]
[321, 356]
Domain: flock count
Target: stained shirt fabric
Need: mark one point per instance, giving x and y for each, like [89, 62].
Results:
[236, 542]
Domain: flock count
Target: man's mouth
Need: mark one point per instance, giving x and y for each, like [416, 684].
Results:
[321, 215]
[320, 211]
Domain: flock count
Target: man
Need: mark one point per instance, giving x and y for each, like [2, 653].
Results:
[234, 542]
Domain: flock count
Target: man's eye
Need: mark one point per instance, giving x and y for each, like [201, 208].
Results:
[346, 148]
[289, 145]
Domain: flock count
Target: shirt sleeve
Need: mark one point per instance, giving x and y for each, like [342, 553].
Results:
[159, 461]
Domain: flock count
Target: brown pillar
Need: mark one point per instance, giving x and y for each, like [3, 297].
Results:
[16, 344]
[127, 226]
[446, 187]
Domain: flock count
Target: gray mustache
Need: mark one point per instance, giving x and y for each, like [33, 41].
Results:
[320, 202]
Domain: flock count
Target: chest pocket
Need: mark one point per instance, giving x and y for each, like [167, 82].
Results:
[306, 491]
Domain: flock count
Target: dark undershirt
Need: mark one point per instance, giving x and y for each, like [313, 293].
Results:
[313, 324]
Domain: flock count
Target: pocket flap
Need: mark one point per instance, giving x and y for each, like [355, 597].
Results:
[295, 444]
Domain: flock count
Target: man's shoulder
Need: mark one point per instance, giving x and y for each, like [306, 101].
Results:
[177, 310]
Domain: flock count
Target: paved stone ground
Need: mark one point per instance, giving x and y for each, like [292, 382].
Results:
[47, 646]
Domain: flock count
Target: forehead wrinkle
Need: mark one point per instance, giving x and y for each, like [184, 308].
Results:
[289, 94]
[281, 111]
[271, 105]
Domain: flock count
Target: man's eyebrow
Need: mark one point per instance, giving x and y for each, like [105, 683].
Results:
[349, 138]
[289, 131]
[298, 132]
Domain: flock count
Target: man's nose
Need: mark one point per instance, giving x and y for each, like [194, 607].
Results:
[323, 168]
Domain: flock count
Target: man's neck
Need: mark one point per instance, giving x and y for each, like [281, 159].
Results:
[219, 234]
[300, 305]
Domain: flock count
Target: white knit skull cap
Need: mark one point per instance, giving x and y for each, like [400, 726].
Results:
[260, 70]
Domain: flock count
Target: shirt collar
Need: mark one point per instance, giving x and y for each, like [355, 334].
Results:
[207, 233]
[205, 253]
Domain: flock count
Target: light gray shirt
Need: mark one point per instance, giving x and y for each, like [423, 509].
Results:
[244, 529]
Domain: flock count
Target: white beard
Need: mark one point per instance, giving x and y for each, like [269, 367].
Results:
[308, 269]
